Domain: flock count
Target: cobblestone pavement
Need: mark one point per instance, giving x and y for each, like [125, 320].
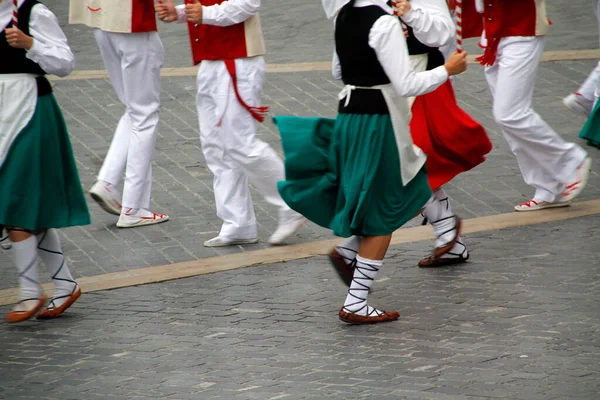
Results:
[518, 324]
[297, 31]
[183, 185]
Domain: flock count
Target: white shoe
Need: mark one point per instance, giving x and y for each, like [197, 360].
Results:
[533, 205]
[132, 221]
[579, 104]
[107, 197]
[221, 241]
[286, 228]
[579, 181]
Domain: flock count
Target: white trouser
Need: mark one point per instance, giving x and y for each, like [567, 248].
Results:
[546, 161]
[232, 152]
[591, 86]
[133, 62]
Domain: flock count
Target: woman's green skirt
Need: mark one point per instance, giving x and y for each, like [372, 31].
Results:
[39, 182]
[591, 129]
[344, 174]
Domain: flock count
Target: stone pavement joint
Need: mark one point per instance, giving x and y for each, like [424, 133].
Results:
[565, 55]
[287, 253]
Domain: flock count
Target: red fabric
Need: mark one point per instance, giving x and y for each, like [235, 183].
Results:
[452, 140]
[143, 18]
[211, 42]
[257, 112]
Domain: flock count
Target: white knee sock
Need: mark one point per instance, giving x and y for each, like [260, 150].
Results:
[50, 252]
[439, 215]
[349, 248]
[364, 275]
[26, 257]
[459, 248]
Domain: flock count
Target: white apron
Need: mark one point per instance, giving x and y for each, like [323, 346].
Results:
[18, 99]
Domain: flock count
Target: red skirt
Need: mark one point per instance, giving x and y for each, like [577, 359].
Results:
[452, 140]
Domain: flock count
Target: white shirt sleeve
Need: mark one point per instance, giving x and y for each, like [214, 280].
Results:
[336, 68]
[387, 39]
[431, 22]
[181, 18]
[230, 12]
[50, 47]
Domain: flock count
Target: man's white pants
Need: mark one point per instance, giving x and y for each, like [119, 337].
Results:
[546, 161]
[232, 152]
[590, 87]
[133, 62]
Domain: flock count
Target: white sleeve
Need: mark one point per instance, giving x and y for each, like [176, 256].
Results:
[230, 12]
[387, 39]
[336, 68]
[431, 22]
[181, 18]
[50, 47]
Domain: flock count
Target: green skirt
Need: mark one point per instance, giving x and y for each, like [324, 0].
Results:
[39, 183]
[344, 174]
[591, 129]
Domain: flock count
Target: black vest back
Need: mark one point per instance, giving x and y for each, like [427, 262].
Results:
[358, 60]
[415, 47]
[14, 60]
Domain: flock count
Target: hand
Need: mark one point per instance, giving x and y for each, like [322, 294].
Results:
[402, 7]
[166, 12]
[457, 63]
[193, 12]
[17, 39]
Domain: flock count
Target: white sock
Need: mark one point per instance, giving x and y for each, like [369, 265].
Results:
[349, 248]
[26, 257]
[459, 247]
[438, 213]
[364, 275]
[50, 252]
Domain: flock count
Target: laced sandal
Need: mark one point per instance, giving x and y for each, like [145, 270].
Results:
[432, 261]
[343, 266]
[20, 313]
[440, 251]
[52, 311]
[372, 315]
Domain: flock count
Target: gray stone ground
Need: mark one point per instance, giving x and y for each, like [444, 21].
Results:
[183, 185]
[521, 324]
[520, 321]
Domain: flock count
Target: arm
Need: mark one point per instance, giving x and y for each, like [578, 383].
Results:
[431, 22]
[50, 47]
[229, 12]
[336, 68]
[388, 41]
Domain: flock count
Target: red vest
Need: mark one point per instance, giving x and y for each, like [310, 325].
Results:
[210, 42]
[503, 18]
[128, 16]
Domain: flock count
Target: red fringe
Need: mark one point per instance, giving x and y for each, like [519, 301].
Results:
[488, 58]
[257, 112]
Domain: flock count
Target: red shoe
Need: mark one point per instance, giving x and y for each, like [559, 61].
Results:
[53, 312]
[20, 313]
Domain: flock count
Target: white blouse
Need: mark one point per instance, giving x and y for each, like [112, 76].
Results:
[50, 47]
[431, 22]
[228, 13]
[387, 39]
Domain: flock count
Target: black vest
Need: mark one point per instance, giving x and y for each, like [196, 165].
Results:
[14, 60]
[415, 47]
[358, 60]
